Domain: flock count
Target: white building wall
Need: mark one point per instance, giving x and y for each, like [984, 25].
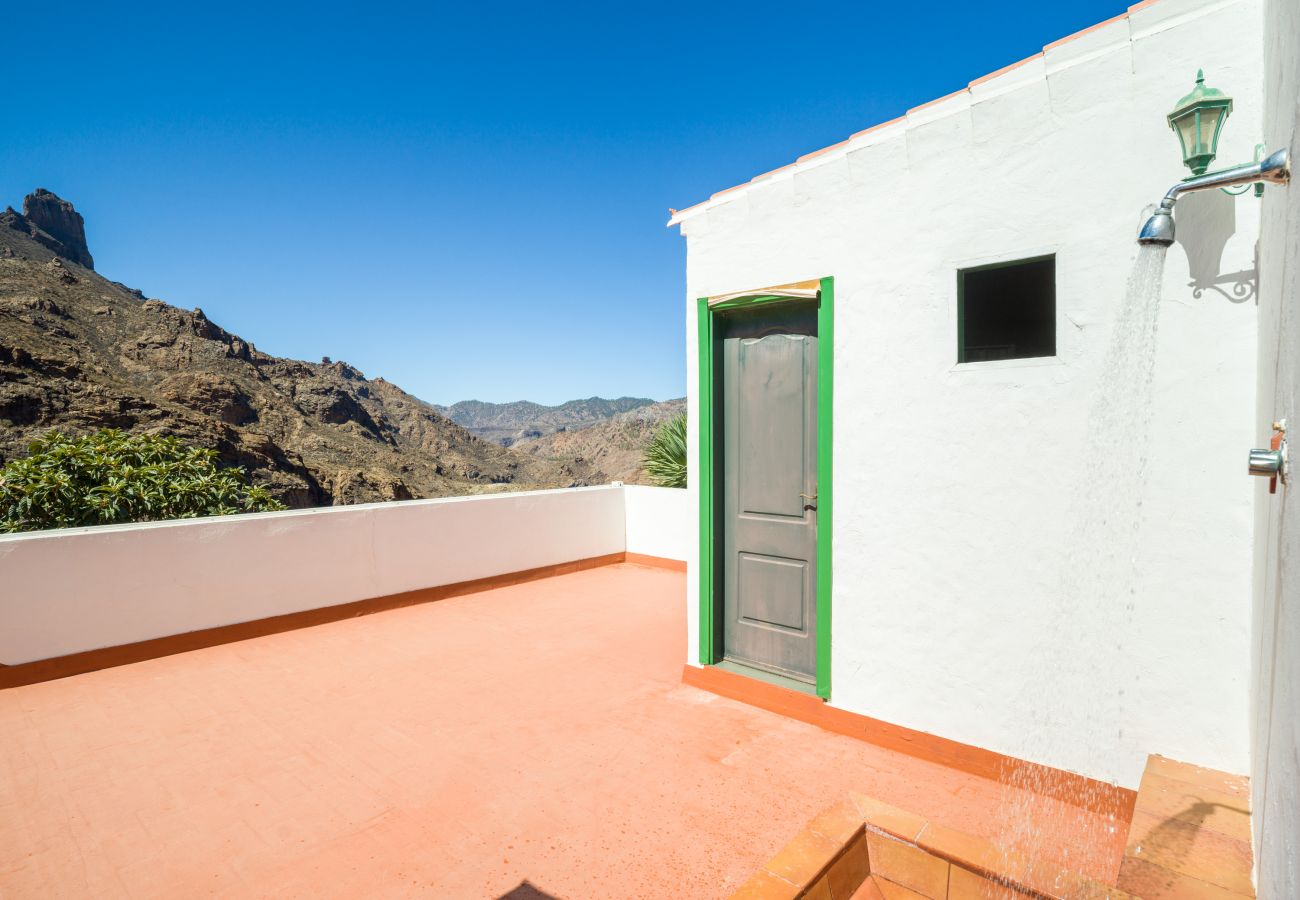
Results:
[1275, 775]
[657, 520]
[953, 484]
[73, 590]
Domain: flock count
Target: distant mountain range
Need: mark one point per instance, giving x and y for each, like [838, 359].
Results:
[509, 423]
[612, 448]
[79, 352]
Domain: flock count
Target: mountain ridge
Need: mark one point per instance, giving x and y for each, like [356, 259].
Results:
[79, 352]
[520, 420]
[613, 448]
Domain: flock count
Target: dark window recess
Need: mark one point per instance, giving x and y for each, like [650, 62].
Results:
[1007, 311]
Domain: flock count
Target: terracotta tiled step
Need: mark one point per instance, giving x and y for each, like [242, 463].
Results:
[869, 890]
[907, 865]
[1189, 838]
[826, 861]
[1190, 835]
[891, 891]
[964, 885]
[862, 848]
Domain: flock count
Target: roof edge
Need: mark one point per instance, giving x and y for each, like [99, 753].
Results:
[677, 217]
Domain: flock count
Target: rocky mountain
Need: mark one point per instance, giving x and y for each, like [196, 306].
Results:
[54, 224]
[508, 423]
[611, 449]
[79, 352]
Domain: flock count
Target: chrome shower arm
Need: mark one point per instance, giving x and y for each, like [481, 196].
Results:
[1275, 169]
[1159, 229]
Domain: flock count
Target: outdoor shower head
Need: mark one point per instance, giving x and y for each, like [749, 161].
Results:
[1159, 229]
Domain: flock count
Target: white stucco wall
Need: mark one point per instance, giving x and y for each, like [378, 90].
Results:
[1275, 775]
[953, 483]
[72, 590]
[656, 521]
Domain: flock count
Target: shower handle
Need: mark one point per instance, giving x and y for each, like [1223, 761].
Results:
[1271, 463]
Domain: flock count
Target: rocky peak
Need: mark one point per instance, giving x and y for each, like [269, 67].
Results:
[56, 217]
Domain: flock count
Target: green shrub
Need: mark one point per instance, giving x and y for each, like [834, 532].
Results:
[665, 456]
[111, 477]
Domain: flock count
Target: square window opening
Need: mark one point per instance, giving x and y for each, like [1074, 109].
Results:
[1007, 311]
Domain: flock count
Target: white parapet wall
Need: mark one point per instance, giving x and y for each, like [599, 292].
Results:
[657, 521]
[73, 590]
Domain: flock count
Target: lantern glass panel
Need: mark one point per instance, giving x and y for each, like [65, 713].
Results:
[1185, 128]
[1209, 119]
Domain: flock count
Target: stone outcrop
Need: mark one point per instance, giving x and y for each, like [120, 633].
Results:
[52, 222]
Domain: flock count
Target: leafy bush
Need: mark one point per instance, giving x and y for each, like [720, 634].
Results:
[665, 456]
[111, 477]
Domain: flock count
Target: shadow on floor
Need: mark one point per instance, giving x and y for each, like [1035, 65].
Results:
[527, 891]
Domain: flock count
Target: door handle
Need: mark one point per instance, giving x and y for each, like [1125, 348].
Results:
[810, 500]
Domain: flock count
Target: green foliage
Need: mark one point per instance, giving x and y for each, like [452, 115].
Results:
[665, 456]
[111, 477]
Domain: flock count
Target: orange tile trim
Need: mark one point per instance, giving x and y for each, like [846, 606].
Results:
[766, 175]
[816, 153]
[1089, 30]
[927, 104]
[1060, 785]
[727, 191]
[677, 214]
[658, 562]
[674, 213]
[1005, 69]
[124, 654]
[878, 126]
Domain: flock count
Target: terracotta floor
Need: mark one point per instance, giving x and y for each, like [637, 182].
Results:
[533, 739]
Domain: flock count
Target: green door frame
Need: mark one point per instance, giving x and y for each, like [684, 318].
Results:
[705, 468]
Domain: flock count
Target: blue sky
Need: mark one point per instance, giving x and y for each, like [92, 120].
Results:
[468, 200]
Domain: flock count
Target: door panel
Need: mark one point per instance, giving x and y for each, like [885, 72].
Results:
[768, 397]
[769, 591]
[770, 403]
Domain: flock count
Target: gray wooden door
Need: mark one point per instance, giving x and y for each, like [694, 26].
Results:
[769, 478]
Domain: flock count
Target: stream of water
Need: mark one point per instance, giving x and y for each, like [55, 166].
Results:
[1087, 622]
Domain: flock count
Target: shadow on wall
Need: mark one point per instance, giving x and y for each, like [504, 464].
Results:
[1206, 222]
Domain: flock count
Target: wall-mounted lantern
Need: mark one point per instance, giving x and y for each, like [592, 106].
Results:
[1197, 120]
